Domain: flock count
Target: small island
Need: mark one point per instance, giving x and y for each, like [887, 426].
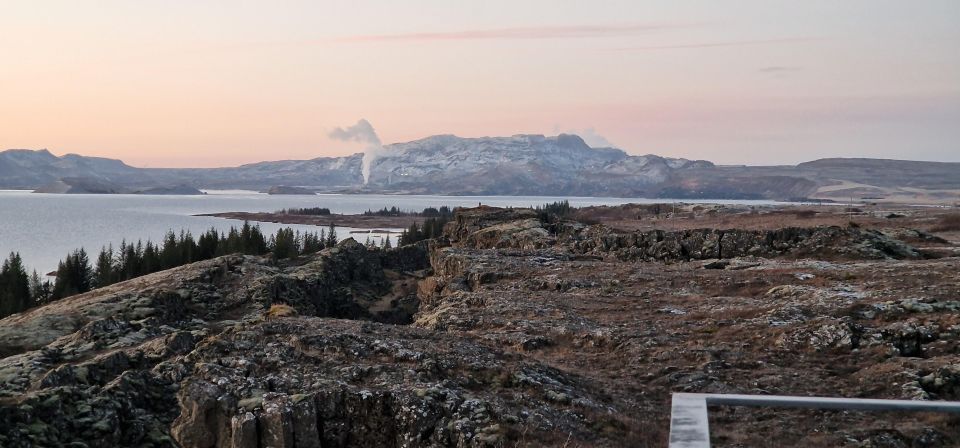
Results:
[355, 221]
[89, 185]
[182, 190]
[385, 218]
[80, 185]
[283, 189]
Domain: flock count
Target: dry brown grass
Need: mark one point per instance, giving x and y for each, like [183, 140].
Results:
[281, 310]
[947, 223]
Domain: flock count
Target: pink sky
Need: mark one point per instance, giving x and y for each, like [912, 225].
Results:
[214, 83]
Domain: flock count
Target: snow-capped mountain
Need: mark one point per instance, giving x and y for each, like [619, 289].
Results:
[521, 164]
[443, 164]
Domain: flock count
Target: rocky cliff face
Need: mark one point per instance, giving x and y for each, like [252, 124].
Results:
[509, 331]
[194, 357]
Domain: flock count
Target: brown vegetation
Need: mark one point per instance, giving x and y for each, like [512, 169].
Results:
[281, 310]
[947, 223]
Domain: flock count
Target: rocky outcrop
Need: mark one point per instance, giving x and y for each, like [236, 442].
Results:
[191, 357]
[495, 228]
[508, 331]
[487, 226]
[368, 386]
[703, 244]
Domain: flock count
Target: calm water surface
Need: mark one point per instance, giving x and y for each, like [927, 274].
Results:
[44, 227]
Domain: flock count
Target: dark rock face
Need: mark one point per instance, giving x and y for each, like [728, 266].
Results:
[317, 408]
[493, 228]
[467, 222]
[703, 244]
[114, 375]
[342, 283]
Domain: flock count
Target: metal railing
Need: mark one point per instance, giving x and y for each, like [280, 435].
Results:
[690, 428]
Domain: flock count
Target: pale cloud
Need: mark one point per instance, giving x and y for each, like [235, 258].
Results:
[778, 71]
[740, 43]
[533, 32]
[589, 135]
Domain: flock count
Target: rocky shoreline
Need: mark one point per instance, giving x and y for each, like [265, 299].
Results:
[354, 221]
[508, 331]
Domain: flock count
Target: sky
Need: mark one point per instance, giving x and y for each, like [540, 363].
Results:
[218, 83]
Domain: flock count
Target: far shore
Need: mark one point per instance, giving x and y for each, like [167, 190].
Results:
[354, 221]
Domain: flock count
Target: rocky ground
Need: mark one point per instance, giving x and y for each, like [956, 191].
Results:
[511, 331]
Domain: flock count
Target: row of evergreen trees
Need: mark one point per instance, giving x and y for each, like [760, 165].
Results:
[429, 212]
[313, 211]
[431, 228]
[385, 243]
[76, 275]
[555, 210]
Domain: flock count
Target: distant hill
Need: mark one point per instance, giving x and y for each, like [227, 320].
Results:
[517, 165]
[322, 173]
[26, 169]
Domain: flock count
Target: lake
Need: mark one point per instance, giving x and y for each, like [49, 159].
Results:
[44, 227]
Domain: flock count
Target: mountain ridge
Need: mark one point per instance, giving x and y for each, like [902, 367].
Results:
[523, 164]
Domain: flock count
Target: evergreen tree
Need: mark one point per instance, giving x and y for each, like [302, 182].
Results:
[257, 242]
[170, 253]
[73, 275]
[36, 287]
[411, 235]
[312, 243]
[14, 286]
[40, 290]
[208, 244]
[188, 248]
[150, 262]
[285, 244]
[103, 274]
[331, 236]
[232, 244]
[130, 266]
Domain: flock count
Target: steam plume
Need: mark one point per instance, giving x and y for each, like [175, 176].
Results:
[361, 132]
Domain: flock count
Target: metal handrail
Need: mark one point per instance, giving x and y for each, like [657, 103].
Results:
[690, 428]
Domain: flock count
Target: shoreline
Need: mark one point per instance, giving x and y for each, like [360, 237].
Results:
[366, 222]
